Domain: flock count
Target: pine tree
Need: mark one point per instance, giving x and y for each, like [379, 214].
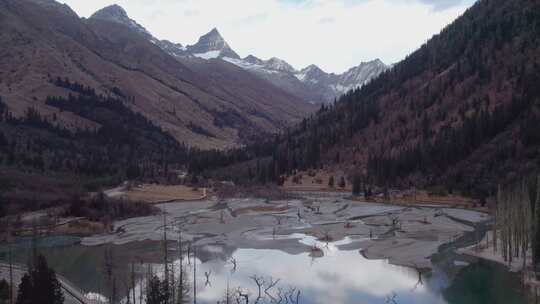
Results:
[24, 295]
[40, 285]
[4, 292]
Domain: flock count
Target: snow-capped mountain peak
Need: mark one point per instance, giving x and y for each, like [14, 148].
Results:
[212, 45]
[253, 60]
[311, 83]
[311, 68]
[313, 71]
[363, 73]
[332, 85]
[279, 65]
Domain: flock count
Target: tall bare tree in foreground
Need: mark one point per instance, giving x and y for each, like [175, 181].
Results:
[516, 231]
[183, 280]
[514, 227]
[165, 260]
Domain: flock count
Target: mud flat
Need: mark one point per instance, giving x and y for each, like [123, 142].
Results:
[153, 194]
[404, 235]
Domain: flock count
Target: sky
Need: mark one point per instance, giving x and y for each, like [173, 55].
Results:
[333, 34]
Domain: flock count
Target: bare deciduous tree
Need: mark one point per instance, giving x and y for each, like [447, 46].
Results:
[391, 299]
[207, 275]
[259, 281]
[234, 263]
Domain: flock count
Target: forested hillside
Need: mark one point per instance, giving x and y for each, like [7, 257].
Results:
[43, 163]
[462, 111]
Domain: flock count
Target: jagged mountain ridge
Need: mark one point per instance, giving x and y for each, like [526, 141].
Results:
[314, 87]
[311, 82]
[117, 14]
[332, 85]
[212, 45]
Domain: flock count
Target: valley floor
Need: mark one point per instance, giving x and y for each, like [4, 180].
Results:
[405, 235]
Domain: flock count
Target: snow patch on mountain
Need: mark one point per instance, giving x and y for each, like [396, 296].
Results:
[327, 85]
[208, 55]
[253, 60]
[300, 76]
[213, 43]
[173, 49]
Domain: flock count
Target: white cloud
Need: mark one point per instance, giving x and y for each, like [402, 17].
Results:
[334, 34]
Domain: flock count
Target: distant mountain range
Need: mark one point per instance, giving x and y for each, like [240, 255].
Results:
[202, 103]
[311, 84]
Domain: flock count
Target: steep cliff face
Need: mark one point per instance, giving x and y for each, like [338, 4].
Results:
[212, 45]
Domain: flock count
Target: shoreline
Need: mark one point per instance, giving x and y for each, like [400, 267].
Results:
[487, 252]
[421, 231]
[405, 235]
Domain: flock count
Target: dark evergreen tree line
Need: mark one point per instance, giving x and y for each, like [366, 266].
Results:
[455, 144]
[40, 285]
[125, 145]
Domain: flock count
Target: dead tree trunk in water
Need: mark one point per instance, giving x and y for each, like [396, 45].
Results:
[133, 283]
[108, 264]
[10, 258]
[514, 224]
[183, 282]
[194, 275]
[259, 281]
[165, 260]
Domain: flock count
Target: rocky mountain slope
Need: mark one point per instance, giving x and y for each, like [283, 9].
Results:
[310, 84]
[115, 56]
[117, 14]
[332, 86]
